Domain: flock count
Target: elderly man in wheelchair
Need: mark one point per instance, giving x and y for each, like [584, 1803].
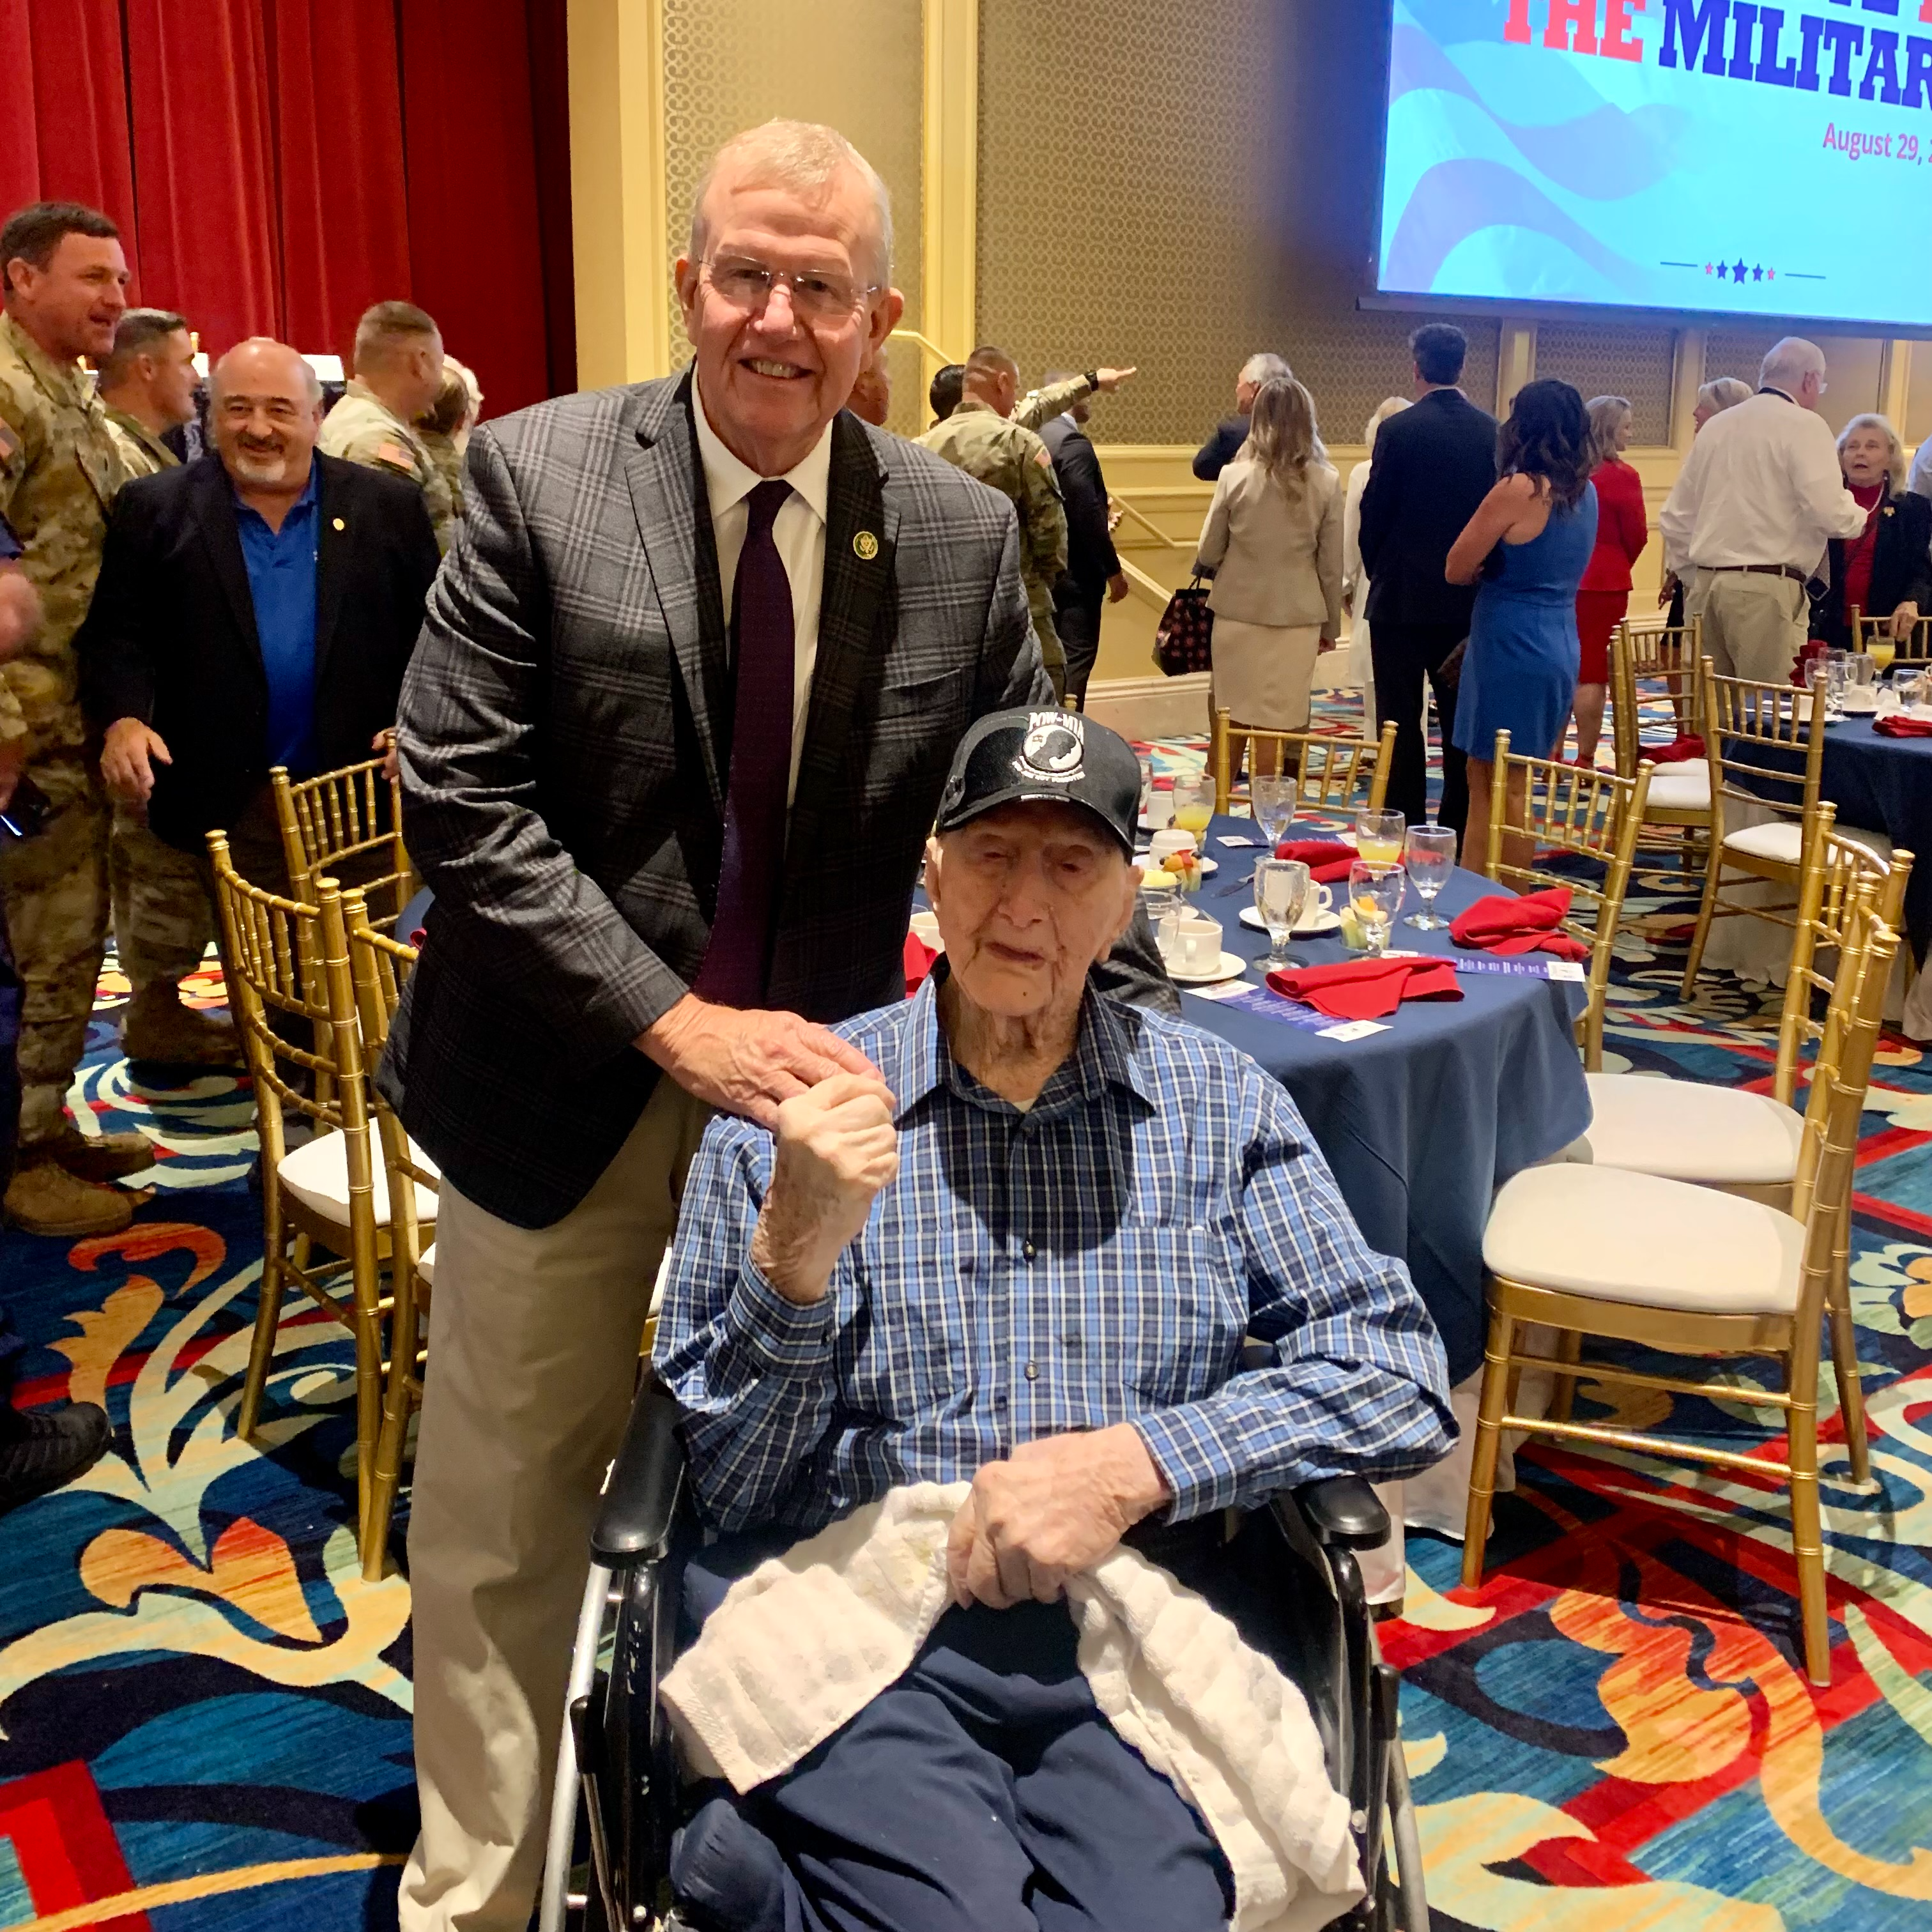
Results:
[1085, 1265]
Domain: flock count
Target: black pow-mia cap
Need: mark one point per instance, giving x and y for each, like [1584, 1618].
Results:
[1060, 756]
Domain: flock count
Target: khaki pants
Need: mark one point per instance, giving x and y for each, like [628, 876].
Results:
[164, 918]
[1754, 624]
[533, 1343]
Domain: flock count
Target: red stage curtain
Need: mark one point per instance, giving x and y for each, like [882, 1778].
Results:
[63, 109]
[475, 247]
[338, 129]
[204, 162]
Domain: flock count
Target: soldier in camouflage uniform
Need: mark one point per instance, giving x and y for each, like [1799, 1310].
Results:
[1040, 406]
[978, 438]
[398, 377]
[164, 924]
[64, 280]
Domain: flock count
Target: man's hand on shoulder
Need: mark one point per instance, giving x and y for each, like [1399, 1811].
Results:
[746, 1062]
[1055, 1507]
[126, 765]
[837, 1150]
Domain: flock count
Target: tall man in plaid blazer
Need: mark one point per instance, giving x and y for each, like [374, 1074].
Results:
[672, 741]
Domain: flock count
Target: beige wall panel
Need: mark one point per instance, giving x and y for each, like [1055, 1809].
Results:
[1621, 358]
[857, 64]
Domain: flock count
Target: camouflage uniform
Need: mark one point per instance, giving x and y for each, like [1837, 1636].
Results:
[59, 470]
[449, 460]
[1014, 461]
[1041, 406]
[362, 428]
[164, 924]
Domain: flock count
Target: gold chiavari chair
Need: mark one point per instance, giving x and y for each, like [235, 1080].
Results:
[378, 967]
[1654, 654]
[1687, 1270]
[1754, 735]
[1875, 635]
[1592, 815]
[327, 1192]
[347, 825]
[1335, 776]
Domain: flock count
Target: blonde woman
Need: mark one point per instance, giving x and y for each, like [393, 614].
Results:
[1623, 529]
[1272, 544]
[1885, 571]
[1354, 578]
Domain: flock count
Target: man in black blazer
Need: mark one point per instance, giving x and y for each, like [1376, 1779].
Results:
[1224, 445]
[1434, 464]
[255, 608]
[1093, 575]
[671, 745]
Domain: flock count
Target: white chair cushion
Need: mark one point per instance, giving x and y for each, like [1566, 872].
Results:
[426, 1263]
[1782, 840]
[1685, 1130]
[317, 1174]
[1680, 787]
[1606, 1232]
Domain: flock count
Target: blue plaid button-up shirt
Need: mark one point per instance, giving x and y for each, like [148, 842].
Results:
[1098, 1257]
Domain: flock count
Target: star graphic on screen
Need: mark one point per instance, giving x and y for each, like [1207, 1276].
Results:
[1738, 272]
[1707, 268]
[1757, 274]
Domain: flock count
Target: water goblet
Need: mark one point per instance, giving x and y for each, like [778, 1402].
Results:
[1430, 856]
[1272, 800]
[1281, 892]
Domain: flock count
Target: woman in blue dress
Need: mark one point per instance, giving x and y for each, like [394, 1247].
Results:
[1529, 541]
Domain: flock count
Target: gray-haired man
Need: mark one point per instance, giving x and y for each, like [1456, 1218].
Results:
[1218, 451]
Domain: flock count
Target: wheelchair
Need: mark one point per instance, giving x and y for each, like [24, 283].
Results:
[616, 1799]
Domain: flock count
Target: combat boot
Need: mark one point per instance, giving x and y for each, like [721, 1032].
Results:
[43, 1198]
[39, 1452]
[159, 1028]
[103, 1157]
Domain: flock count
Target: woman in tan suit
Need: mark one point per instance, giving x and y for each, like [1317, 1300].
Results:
[1272, 544]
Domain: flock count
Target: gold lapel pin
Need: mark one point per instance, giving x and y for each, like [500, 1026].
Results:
[865, 546]
[338, 523]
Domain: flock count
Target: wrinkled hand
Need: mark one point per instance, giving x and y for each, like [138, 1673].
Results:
[746, 1062]
[1110, 379]
[385, 742]
[126, 760]
[837, 1149]
[13, 763]
[1053, 1509]
[1117, 586]
[1903, 620]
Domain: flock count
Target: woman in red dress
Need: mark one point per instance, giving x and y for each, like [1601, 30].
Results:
[1622, 530]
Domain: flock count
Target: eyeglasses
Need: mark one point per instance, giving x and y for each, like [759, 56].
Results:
[747, 284]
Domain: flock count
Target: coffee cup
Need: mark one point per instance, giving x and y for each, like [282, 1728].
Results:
[1163, 844]
[1197, 944]
[1316, 907]
[1157, 806]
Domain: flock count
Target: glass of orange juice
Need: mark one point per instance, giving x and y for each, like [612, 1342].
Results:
[1379, 836]
[1882, 650]
[1194, 807]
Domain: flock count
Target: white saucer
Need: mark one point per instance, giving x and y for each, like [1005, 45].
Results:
[1232, 967]
[1319, 927]
[1209, 867]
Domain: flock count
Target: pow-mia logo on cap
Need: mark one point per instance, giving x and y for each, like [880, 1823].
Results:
[1054, 748]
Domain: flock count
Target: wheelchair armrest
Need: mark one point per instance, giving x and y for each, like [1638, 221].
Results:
[1344, 1512]
[640, 1500]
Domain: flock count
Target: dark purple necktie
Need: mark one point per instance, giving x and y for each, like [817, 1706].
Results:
[736, 961]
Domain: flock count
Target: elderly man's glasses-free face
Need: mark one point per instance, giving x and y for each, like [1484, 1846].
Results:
[747, 284]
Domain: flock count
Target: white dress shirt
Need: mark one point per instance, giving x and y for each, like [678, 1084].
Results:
[799, 534]
[1919, 482]
[1761, 485]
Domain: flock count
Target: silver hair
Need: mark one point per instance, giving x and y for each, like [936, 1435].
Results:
[806, 157]
[314, 382]
[1389, 405]
[1607, 415]
[1264, 366]
[1894, 463]
[1724, 392]
[1789, 362]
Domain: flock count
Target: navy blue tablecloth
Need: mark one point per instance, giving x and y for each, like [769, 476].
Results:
[1423, 1123]
[1881, 784]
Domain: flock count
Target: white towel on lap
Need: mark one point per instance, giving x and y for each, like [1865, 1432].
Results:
[801, 1645]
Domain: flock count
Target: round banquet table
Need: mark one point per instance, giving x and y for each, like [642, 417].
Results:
[1423, 1123]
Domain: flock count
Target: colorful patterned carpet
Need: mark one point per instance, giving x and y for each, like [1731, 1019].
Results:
[204, 1712]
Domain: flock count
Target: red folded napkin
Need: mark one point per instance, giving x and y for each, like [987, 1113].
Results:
[1679, 751]
[919, 958]
[1504, 923]
[1366, 989]
[1327, 860]
[1896, 725]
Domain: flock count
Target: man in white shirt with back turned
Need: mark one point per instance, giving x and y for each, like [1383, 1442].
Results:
[1758, 499]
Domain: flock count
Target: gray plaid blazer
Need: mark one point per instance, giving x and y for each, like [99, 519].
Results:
[565, 729]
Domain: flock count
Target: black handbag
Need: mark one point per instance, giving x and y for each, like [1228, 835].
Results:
[1185, 641]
